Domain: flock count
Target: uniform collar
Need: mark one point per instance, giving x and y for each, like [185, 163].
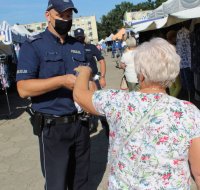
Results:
[54, 37]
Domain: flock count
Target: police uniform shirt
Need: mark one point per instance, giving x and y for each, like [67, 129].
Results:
[42, 57]
[91, 51]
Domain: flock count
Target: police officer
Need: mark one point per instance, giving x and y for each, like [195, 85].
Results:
[46, 74]
[93, 55]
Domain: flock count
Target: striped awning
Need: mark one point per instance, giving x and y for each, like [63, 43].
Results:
[5, 33]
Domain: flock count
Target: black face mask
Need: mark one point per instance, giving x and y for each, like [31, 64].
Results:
[81, 39]
[62, 27]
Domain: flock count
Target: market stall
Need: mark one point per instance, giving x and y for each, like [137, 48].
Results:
[10, 40]
[119, 34]
[184, 19]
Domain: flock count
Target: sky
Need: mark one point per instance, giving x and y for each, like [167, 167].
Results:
[30, 11]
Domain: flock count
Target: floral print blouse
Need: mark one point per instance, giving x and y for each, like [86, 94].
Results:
[156, 156]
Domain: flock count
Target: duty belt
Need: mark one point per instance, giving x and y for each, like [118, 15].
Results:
[54, 120]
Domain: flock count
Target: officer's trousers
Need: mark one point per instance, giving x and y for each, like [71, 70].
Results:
[65, 156]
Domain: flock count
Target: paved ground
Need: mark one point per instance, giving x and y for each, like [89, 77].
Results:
[19, 154]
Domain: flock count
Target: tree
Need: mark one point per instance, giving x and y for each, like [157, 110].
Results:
[149, 5]
[113, 21]
[158, 3]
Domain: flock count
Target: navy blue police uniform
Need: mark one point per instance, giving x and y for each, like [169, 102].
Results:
[64, 142]
[93, 55]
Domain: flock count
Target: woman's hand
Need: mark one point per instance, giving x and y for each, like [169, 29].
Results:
[83, 89]
[85, 69]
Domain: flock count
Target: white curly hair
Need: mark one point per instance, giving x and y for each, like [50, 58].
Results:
[157, 61]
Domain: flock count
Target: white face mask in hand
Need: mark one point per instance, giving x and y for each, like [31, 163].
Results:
[80, 110]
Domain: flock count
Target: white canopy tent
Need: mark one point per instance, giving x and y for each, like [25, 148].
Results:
[101, 41]
[21, 30]
[169, 20]
[109, 38]
[10, 34]
[173, 6]
[187, 14]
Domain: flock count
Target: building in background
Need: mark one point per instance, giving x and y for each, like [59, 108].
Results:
[88, 24]
[36, 27]
[130, 18]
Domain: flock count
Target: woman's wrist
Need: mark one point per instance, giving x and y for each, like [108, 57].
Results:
[83, 71]
[86, 73]
[86, 70]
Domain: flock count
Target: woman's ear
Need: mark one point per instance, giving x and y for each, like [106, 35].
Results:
[141, 78]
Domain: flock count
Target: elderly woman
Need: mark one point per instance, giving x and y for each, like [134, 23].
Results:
[152, 134]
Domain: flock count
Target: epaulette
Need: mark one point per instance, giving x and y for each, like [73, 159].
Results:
[34, 38]
[72, 38]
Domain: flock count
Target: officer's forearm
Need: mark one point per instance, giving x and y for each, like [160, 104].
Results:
[102, 67]
[36, 87]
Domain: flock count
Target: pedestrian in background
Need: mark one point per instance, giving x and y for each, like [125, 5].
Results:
[46, 74]
[152, 134]
[92, 55]
[127, 63]
[104, 48]
[124, 45]
[116, 48]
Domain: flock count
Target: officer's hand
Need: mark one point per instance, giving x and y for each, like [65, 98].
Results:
[102, 82]
[69, 81]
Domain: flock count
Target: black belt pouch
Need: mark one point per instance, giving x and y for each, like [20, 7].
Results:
[37, 121]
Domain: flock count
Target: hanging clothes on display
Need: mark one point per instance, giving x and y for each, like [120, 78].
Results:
[184, 50]
[4, 78]
[195, 59]
[195, 49]
[4, 72]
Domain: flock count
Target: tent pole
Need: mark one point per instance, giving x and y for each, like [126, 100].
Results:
[9, 110]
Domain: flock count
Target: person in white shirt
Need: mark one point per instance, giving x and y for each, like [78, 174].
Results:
[128, 65]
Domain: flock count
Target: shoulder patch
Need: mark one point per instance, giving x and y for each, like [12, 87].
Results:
[33, 38]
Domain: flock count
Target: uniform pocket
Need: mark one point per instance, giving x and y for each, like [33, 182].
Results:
[53, 65]
[78, 60]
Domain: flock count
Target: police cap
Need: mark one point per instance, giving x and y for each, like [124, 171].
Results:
[79, 32]
[61, 5]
